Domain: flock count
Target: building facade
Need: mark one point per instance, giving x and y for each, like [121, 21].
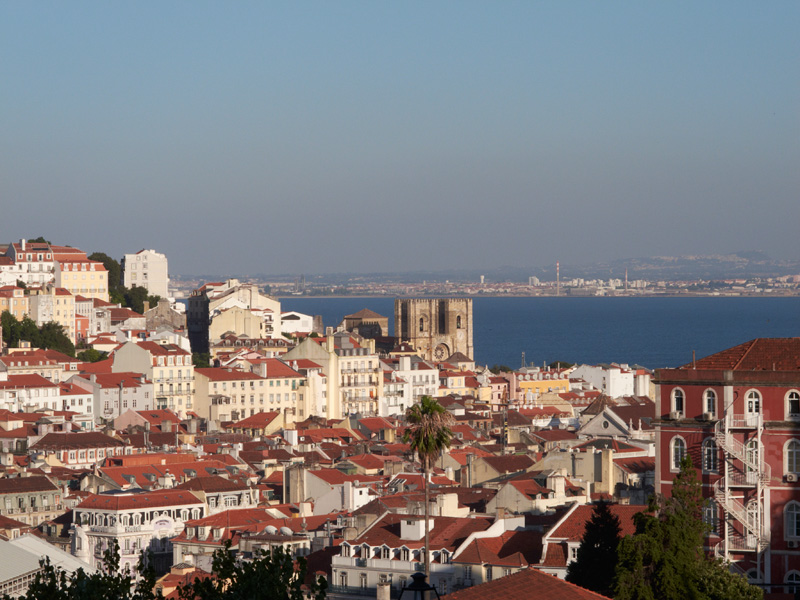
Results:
[147, 269]
[737, 415]
[436, 327]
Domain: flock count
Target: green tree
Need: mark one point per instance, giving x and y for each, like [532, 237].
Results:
[428, 433]
[500, 369]
[52, 337]
[109, 583]
[560, 364]
[135, 298]
[664, 559]
[10, 326]
[596, 562]
[91, 355]
[269, 576]
[201, 359]
[21, 284]
[113, 268]
[40, 240]
[28, 331]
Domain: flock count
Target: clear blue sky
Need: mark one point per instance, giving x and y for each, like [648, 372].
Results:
[243, 137]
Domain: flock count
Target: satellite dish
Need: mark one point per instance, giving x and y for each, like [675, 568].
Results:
[286, 531]
[271, 529]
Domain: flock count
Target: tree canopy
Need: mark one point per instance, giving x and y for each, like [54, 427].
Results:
[49, 336]
[109, 583]
[269, 576]
[428, 433]
[665, 559]
[596, 562]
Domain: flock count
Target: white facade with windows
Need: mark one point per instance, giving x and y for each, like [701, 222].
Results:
[147, 269]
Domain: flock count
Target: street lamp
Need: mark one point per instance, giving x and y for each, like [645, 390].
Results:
[419, 589]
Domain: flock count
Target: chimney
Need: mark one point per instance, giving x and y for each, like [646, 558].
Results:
[22, 244]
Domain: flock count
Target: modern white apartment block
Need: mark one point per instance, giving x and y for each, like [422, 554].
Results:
[147, 269]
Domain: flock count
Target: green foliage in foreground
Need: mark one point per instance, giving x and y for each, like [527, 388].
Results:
[665, 559]
[49, 336]
[269, 576]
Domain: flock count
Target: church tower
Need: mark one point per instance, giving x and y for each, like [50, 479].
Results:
[436, 327]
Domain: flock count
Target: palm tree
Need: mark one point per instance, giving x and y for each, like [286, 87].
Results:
[428, 433]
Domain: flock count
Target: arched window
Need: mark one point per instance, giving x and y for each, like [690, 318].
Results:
[678, 398]
[792, 456]
[710, 402]
[422, 324]
[711, 516]
[791, 517]
[752, 403]
[793, 579]
[710, 456]
[678, 452]
[458, 322]
[793, 405]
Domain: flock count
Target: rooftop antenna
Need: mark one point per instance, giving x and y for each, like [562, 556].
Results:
[523, 359]
[694, 360]
[558, 278]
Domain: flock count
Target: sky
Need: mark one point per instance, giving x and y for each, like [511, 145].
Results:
[320, 137]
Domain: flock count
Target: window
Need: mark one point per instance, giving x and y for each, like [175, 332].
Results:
[753, 403]
[678, 452]
[710, 405]
[792, 456]
[793, 407]
[677, 400]
[363, 579]
[792, 520]
[711, 516]
[710, 456]
[792, 578]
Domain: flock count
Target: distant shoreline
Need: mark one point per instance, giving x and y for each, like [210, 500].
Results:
[565, 296]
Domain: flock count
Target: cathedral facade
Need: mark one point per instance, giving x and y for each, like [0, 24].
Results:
[436, 327]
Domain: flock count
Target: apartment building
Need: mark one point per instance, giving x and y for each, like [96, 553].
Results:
[167, 366]
[147, 269]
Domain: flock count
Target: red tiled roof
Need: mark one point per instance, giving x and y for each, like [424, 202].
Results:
[574, 524]
[528, 584]
[71, 441]
[511, 548]
[33, 380]
[447, 532]
[142, 500]
[256, 421]
[225, 374]
[760, 354]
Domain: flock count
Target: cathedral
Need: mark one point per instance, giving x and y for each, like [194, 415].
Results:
[436, 327]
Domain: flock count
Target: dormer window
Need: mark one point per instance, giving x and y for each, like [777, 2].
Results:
[345, 549]
[385, 552]
[190, 532]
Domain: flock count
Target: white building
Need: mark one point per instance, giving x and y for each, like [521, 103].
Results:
[147, 269]
[137, 521]
[409, 379]
[294, 322]
[615, 380]
[167, 366]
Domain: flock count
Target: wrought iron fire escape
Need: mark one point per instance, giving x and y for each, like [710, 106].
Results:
[746, 475]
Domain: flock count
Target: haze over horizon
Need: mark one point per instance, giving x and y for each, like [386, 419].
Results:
[394, 137]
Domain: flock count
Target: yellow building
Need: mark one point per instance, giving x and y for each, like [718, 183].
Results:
[14, 300]
[51, 304]
[88, 278]
[533, 385]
